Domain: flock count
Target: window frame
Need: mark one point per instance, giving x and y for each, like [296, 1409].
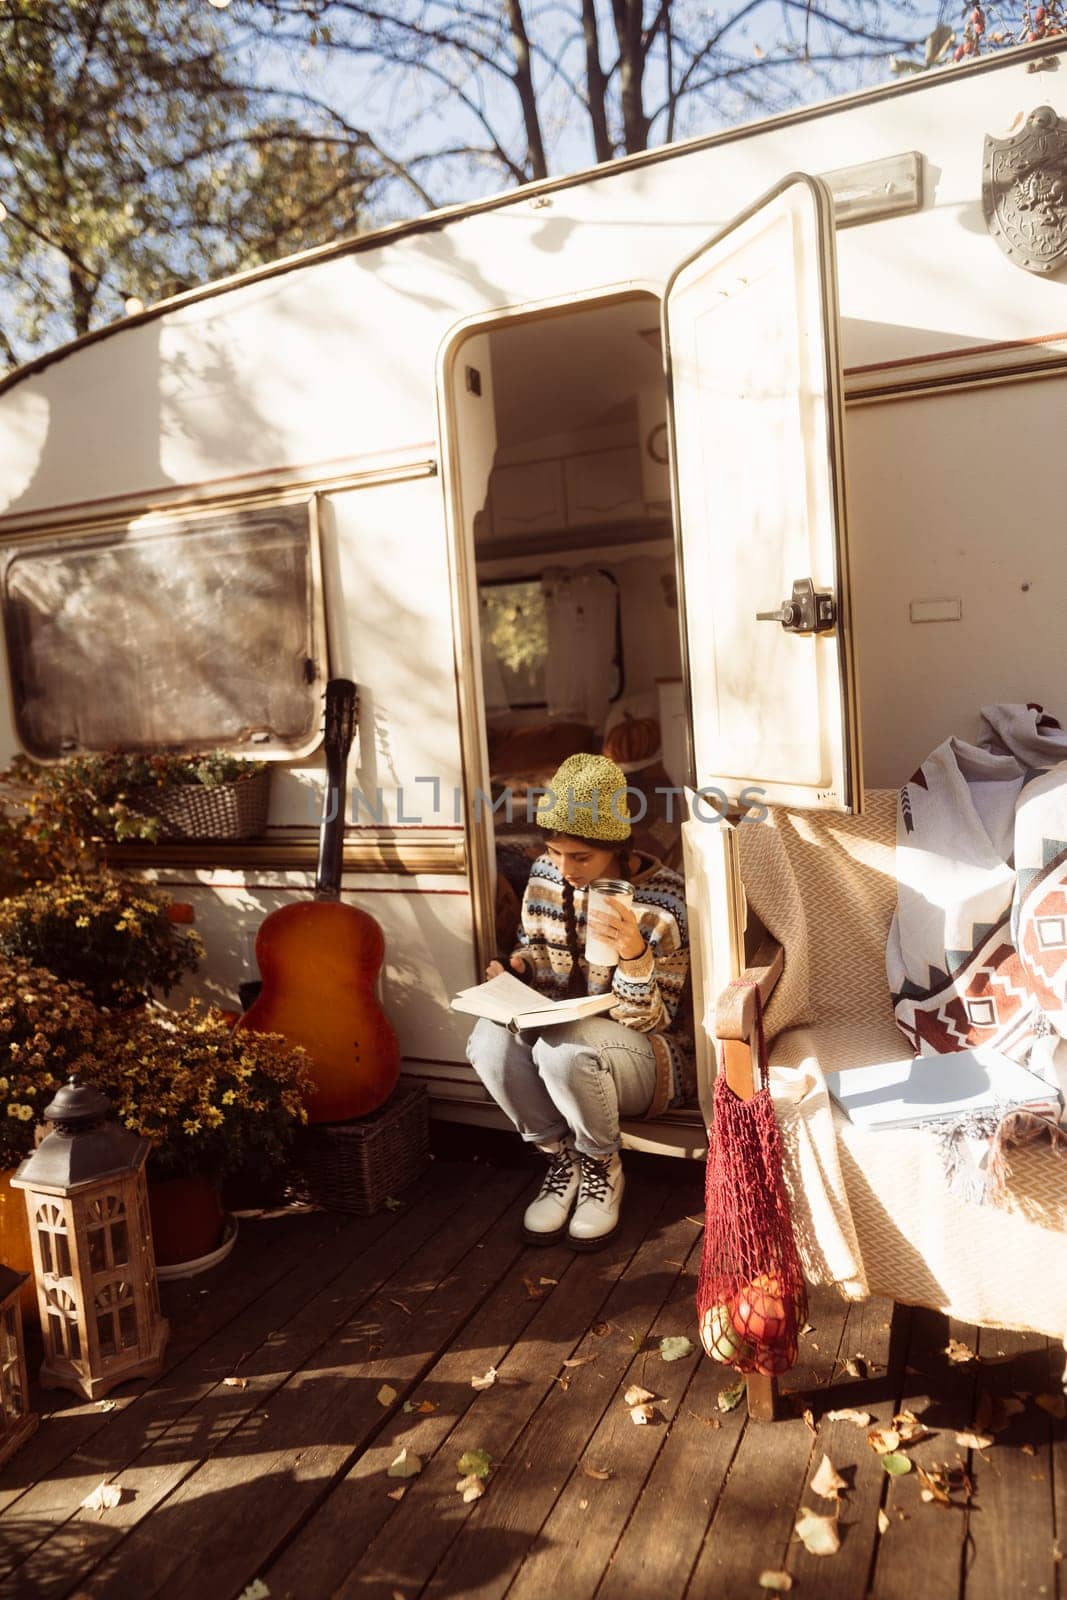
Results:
[617, 660]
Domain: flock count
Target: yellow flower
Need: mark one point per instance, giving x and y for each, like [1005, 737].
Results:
[25, 1113]
[81, 922]
[228, 1097]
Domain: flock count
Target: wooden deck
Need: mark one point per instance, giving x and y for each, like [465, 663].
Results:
[281, 1477]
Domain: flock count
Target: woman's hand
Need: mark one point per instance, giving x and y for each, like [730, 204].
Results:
[618, 926]
[496, 969]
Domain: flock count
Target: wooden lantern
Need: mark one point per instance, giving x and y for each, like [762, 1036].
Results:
[17, 1421]
[92, 1248]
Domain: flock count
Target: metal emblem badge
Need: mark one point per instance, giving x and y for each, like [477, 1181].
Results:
[1024, 192]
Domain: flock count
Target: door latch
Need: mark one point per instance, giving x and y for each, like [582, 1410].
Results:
[809, 610]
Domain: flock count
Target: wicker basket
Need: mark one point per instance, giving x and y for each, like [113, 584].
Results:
[356, 1166]
[235, 810]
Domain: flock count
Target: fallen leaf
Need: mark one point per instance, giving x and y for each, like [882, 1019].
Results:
[1028, 1450]
[807, 1328]
[103, 1498]
[808, 1417]
[548, 1280]
[883, 1440]
[398, 1493]
[583, 1505]
[854, 1369]
[578, 1361]
[487, 1379]
[636, 1396]
[780, 1582]
[819, 1535]
[860, 1418]
[600, 1473]
[475, 1463]
[729, 1399]
[675, 1348]
[256, 1590]
[641, 1414]
[472, 1487]
[1054, 1404]
[105, 1405]
[909, 1427]
[827, 1481]
[237, 1383]
[391, 1203]
[564, 1383]
[386, 1395]
[533, 1290]
[423, 1407]
[406, 1465]
[883, 1521]
[896, 1464]
[959, 1352]
[933, 1485]
[601, 1329]
[974, 1441]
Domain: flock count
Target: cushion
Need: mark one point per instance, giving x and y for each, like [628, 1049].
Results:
[536, 750]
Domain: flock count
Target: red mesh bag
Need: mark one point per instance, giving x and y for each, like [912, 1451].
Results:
[751, 1299]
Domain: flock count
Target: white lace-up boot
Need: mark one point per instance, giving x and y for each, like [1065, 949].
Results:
[546, 1217]
[596, 1212]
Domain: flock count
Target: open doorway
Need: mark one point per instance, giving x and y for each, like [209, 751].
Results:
[559, 452]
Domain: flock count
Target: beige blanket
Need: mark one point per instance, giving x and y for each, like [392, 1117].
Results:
[873, 1211]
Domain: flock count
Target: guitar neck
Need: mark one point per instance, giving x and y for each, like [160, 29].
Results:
[341, 711]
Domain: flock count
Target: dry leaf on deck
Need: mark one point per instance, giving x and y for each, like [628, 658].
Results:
[636, 1396]
[472, 1487]
[548, 1280]
[729, 1399]
[1028, 1449]
[386, 1395]
[883, 1521]
[860, 1418]
[533, 1290]
[424, 1407]
[933, 1485]
[105, 1405]
[959, 1352]
[854, 1369]
[601, 1329]
[578, 1361]
[1054, 1404]
[819, 1535]
[487, 1379]
[239, 1383]
[974, 1441]
[406, 1465]
[827, 1481]
[256, 1590]
[475, 1463]
[883, 1440]
[780, 1582]
[103, 1498]
[909, 1427]
[808, 1418]
[896, 1464]
[675, 1347]
[601, 1473]
[641, 1414]
[398, 1493]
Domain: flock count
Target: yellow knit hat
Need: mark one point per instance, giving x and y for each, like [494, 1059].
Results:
[587, 799]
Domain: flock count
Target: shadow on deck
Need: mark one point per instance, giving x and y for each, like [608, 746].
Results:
[276, 1483]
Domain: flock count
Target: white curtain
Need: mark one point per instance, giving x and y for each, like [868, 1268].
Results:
[581, 605]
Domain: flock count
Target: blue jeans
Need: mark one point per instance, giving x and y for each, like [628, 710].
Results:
[577, 1078]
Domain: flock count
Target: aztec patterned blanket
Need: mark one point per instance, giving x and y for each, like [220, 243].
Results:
[977, 951]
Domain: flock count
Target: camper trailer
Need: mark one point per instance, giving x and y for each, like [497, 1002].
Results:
[739, 454]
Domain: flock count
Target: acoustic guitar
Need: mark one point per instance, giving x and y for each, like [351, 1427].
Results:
[320, 959]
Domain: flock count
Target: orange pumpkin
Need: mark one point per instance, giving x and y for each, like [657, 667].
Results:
[632, 739]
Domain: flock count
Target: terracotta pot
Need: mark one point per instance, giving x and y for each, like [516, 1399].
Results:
[15, 1250]
[187, 1218]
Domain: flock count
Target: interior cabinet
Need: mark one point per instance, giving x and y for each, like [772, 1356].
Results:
[528, 497]
[603, 486]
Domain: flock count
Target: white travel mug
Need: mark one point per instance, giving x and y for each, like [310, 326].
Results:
[602, 891]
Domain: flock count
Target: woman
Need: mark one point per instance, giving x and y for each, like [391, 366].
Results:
[565, 1087]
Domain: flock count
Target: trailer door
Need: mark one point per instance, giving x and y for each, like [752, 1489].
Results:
[750, 335]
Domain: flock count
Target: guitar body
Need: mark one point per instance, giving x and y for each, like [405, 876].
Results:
[319, 961]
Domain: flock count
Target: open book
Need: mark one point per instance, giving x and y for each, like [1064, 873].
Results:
[507, 999]
[902, 1094]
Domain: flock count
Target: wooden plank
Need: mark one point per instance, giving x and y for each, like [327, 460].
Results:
[537, 1459]
[420, 1533]
[924, 1537]
[196, 1410]
[1058, 1459]
[320, 1376]
[322, 1554]
[1012, 1523]
[767, 1475]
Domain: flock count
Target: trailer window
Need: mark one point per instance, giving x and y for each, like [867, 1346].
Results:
[170, 633]
[515, 630]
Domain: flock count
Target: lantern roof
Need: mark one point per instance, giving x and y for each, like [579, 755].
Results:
[86, 1144]
[10, 1281]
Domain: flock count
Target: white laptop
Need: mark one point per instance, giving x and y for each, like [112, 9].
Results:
[901, 1094]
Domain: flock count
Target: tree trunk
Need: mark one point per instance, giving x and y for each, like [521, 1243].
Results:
[527, 95]
[596, 84]
[628, 16]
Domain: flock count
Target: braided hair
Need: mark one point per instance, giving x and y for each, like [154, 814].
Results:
[576, 982]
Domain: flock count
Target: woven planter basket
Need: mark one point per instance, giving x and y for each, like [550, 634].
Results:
[193, 811]
[356, 1166]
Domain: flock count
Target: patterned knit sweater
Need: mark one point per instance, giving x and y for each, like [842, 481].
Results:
[652, 989]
